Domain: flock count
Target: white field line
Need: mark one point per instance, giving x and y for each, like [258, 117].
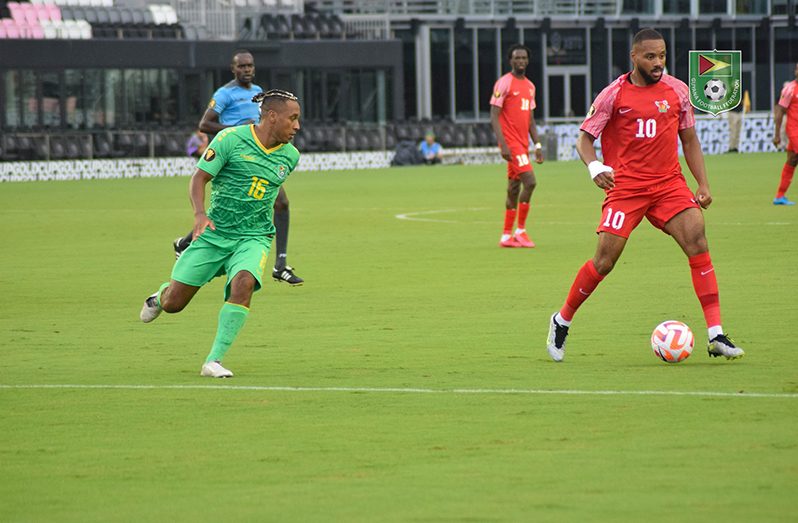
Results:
[410, 390]
[419, 217]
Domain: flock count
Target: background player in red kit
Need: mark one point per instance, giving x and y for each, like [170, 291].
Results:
[512, 119]
[788, 103]
[639, 117]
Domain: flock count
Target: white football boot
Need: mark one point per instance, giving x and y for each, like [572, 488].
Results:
[214, 369]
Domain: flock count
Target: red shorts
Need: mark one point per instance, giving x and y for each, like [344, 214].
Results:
[519, 163]
[624, 209]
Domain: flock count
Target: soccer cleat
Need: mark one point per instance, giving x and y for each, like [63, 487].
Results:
[151, 309]
[287, 275]
[782, 201]
[722, 345]
[556, 341]
[179, 248]
[214, 369]
[522, 239]
[509, 242]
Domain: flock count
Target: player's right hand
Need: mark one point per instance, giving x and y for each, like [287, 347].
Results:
[506, 152]
[201, 222]
[776, 140]
[602, 175]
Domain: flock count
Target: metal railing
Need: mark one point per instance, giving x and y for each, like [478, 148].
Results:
[399, 8]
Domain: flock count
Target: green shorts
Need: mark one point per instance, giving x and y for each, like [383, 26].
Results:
[212, 255]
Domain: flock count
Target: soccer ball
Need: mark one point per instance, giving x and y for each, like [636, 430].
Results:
[672, 341]
[715, 90]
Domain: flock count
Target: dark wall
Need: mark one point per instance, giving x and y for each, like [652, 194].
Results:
[185, 54]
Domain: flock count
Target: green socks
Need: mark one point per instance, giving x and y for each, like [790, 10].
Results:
[158, 294]
[231, 320]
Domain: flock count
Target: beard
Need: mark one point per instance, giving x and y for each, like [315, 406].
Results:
[648, 78]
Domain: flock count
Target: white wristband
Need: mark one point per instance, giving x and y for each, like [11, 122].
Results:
[538, 146]
[596, 167]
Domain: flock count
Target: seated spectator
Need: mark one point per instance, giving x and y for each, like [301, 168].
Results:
[431, 151]
[196, 144]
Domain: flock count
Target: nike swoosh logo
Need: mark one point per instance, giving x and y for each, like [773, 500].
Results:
[515, 93]
[704, 273]
[583, 292]
[624, 110]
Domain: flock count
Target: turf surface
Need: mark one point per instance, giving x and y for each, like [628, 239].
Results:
[379, 390]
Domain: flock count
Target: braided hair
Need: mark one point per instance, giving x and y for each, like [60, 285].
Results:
[273, 94]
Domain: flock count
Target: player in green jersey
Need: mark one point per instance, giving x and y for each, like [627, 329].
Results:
[246, 166]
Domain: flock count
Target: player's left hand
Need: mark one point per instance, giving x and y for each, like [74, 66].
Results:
[538, 156]
[703, 197]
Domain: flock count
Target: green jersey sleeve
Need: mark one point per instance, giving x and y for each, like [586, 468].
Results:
[218, 151]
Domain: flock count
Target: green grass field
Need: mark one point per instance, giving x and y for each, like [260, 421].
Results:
[380, 390]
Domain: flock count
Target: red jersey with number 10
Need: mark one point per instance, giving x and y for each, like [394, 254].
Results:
[516, 97]
[639, 129]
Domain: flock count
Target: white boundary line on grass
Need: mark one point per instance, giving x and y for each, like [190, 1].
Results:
[411, 390]
[413, 217]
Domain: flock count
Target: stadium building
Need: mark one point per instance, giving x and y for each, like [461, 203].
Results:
[128, 78]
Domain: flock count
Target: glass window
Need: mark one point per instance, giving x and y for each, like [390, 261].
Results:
[132, 94]
[93, 103]
[742, 41]
[579, 100]
[439, 61]
[678, 65]
[408, 38]
[114, 98]
[566, 47]
[638, 7]
[752, 7]
[169, 96]
[30, 101]
[673, 7]
[151, 108]
[487, 67]
[73, 85]
[12, 99]
[51, 99]
[464, 73]
[533, 39]
[621, 62]
[364, 98]
[556, 95]
[712, 6]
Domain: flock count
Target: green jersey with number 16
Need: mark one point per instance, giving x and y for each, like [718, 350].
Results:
[246, 179]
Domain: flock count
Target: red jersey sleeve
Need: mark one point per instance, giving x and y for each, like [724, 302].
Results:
[686, 113]
[601, 109]
[786, 95]
[500, 90]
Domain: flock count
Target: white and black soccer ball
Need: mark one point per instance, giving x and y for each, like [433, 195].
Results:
[715, 90]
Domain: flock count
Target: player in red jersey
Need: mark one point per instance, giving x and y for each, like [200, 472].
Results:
[788, 104]
[640, 117]
[511, 115]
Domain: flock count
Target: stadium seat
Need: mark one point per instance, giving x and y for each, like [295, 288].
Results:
[53, 12]
[10, 28]
[16, 11]
[57, 149]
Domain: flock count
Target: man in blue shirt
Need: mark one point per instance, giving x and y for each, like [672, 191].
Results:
[230, 106]
[431, 151]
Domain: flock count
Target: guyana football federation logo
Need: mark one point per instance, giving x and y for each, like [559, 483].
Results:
[715, 80]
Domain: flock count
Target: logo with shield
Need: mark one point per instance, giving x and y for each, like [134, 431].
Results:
[715, 80]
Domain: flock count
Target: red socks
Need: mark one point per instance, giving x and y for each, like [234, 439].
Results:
[509, 219]
[706, 287]
[786, 179]
[523, 211]
[587, 279]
